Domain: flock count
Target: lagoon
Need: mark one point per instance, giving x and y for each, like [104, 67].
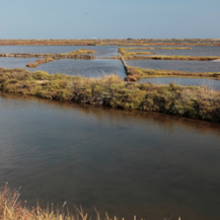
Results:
[125, 163]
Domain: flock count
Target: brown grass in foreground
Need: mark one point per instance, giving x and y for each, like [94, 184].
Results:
[12, 209]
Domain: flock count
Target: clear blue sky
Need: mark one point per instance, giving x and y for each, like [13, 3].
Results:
[36, 19]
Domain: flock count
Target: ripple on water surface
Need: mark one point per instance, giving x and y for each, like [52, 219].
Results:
[125, 163]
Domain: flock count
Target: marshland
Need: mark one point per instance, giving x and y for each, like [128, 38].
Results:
[74, 131]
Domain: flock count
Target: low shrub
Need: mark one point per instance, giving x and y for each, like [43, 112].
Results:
[40, 75]
[187, 101]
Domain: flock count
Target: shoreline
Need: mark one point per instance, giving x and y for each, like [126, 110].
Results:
[185, 101]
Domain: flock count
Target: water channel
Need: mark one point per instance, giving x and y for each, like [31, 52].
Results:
[125, 163]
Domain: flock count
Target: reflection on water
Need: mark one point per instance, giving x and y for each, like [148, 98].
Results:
[85, 68]
[126, 163]
[211, 83]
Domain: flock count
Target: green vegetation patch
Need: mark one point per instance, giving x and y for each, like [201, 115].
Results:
[187, 101]
[140, 72]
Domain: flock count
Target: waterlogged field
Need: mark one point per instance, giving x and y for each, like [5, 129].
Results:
[181, 65]
[194, 51]
[101, 51]
[126, 163]
[210, 83]
[85, 68]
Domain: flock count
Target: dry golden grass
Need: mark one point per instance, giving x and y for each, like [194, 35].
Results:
[125, 53]
[157, 48]
[12, 209]
[78, 54]
[115, 42]
[153, 72]
[164, 57]
[38, 62]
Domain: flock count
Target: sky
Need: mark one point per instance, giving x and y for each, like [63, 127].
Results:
[86, 19]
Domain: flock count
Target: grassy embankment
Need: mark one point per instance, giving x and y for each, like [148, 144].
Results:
[78, 54]
[173, 48]
[38, 62]
[188, 101]
[124, 52]
[157, 48]
[135, 73]
[133, 56]
[11, 208]
[164, 57]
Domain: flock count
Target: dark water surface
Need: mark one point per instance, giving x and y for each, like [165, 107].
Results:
[125, 163]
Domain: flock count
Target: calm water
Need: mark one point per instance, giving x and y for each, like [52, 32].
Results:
[101, 51]
[125, 163]
[15, 62]
[211, 83]
[195, 51]
[85, 68]
[189, 66]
